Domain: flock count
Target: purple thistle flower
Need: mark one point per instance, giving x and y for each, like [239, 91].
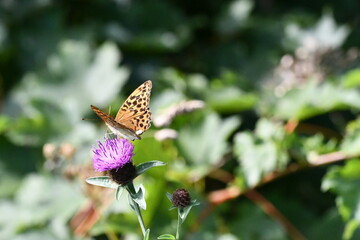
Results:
[112, 155]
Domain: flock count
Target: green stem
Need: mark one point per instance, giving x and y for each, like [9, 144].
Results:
[178, 225]
[131, 189]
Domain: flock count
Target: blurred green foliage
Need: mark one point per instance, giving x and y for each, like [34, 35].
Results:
[248, 97]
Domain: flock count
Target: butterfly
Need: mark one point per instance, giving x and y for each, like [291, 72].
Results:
[133, 117]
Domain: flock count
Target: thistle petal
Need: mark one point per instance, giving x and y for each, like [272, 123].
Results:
[112, 155]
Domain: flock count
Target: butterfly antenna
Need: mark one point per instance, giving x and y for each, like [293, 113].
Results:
[91, 119]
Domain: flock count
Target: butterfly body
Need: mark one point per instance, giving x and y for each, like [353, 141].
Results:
[115, 127]
[133, 117]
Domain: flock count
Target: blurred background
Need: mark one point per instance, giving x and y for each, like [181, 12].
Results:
[255, 111]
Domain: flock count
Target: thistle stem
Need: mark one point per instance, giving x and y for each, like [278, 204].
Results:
[178, 225]
[131, 189]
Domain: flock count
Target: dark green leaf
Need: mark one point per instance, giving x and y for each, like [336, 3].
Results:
[143, 167]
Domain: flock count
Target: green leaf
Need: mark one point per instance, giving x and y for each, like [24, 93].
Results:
[311, 100]
[230, 100]
[147, 234]
[344, 182]
[166, 236]
[203, 141]
[41, 117]
[351, 142]
[54, 199]
[131, 202]
[169, 196]
[352, 78]
[326, 33]
[118, 192]
[350, 228]
[262, 152]
[171, 208]
[139, 197]
[306, 149]
[183, 212]
[143, 167]
[103, 181]
[4, 123]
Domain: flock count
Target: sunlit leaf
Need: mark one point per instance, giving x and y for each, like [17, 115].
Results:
[344, 182]
[166, 236]
[262, 152]
[41, 116]
[103, 181]
[351, 142]
[325, 34]
[203, 142]
[147, 234]
[311, 100]
[54, 199]
[352, 78]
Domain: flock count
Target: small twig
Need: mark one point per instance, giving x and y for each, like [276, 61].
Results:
[273, 212]
[224, 195]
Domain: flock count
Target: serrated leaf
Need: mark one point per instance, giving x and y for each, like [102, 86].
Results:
[344, 182]
[210, 134]
[143, 167]
[103, 181]
[79, 67]
[262, 152]
[166, 236]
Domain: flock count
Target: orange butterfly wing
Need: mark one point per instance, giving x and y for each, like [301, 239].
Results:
[105, 117]
[135, 113]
